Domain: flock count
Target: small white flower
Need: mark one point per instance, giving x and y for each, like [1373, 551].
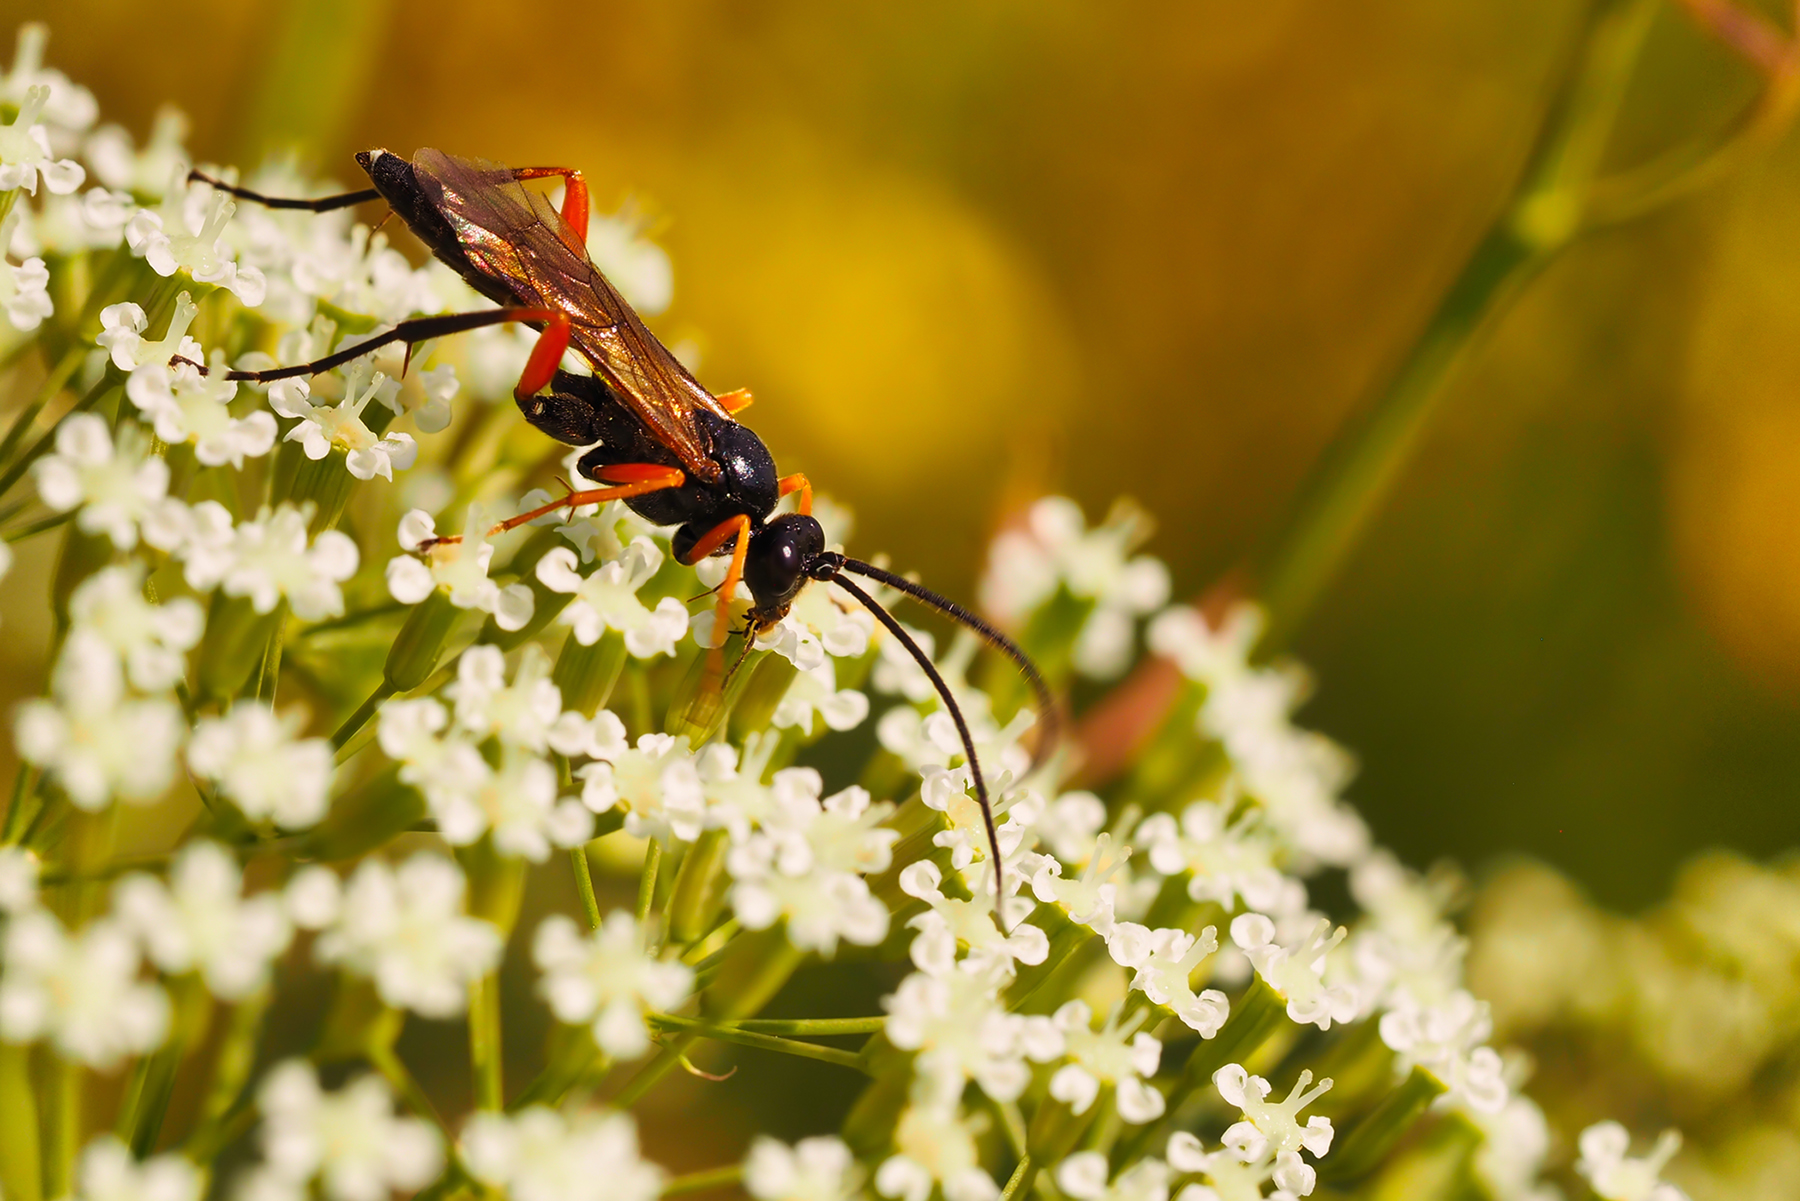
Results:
[405, 929]
[1164, 967]
[117, 164]
[150, 640]
[1090, 897]
[517, 801]
[1117, 1054]
[1447, 1040]
[114, 487]
[267, 558]
[122, 334]
[81, 991]
[253, 756]
[70, 108]
[109, 1172]
[1083, 1176]
[607, 598]
[426, 394]
[185, 406]
[1273, 1126]
[813, 1169]
[1615, 1176]
[1070, 824]
[841, 627]
[201, 922]
[961, 1031]
[1226, 857]
[1229, 1178]
[540, 1154]
[25, 151]
[1210, 656]
[24, 289]
[1515, 1143]
[607, 980]
[934, 1144]
[323, 428]
[459, 568]
[350, 1140]
[528, 713]
[657, 781]
[952, 922]
[806, 867]
[96, 741]
[1297, 971]
[18, 880]
[180, 235]
[1055, 549]
[816, 692]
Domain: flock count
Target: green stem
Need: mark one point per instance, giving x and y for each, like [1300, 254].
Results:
[815, 1027]
[1017, 1181]
[383, 1059]
[1540, 219]
[23, 792]
[20, 1177]
[647, 881]
[41, 526]
[732, 1033]
[700, 1182]
[1369, 1142]
[16, 470]
[360, 718]
[485, 1056]
[53, 383]
[62, 1124]
[584, 884]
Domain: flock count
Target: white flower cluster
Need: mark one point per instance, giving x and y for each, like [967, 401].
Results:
[515, 799]
[168, 507]
[1055, 550]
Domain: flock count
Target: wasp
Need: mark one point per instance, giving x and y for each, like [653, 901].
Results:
[672, 451]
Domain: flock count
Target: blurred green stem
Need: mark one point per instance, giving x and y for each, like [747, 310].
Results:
[727, 1032]
[1558, 197]
[700, 1182]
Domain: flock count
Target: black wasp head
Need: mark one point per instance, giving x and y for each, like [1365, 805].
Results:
[782, 553]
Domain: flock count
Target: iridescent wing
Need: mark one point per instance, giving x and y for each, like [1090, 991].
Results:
[517, 236]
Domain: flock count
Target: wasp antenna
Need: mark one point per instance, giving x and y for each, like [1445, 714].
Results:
[1046, 703]
[962, 728]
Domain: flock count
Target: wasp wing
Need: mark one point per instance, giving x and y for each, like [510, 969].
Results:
[518, 237]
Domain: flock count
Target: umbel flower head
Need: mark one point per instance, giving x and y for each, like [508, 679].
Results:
[490, 788]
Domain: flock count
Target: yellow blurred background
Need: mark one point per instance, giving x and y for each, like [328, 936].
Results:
[964, 253]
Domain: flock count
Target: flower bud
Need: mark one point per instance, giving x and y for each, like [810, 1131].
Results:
[586, 674]
[420, 642]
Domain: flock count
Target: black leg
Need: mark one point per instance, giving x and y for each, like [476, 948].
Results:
[418, 329]
[320, 204]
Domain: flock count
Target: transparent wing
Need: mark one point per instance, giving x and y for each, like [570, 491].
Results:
[517, 236]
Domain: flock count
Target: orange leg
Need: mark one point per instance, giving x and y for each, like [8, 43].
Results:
[732, 527]
[736, 400]
[546, 356]
[575, 196]
[624, 480]
[798, 483]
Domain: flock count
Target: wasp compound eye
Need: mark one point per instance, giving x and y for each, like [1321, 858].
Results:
[779, 554]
